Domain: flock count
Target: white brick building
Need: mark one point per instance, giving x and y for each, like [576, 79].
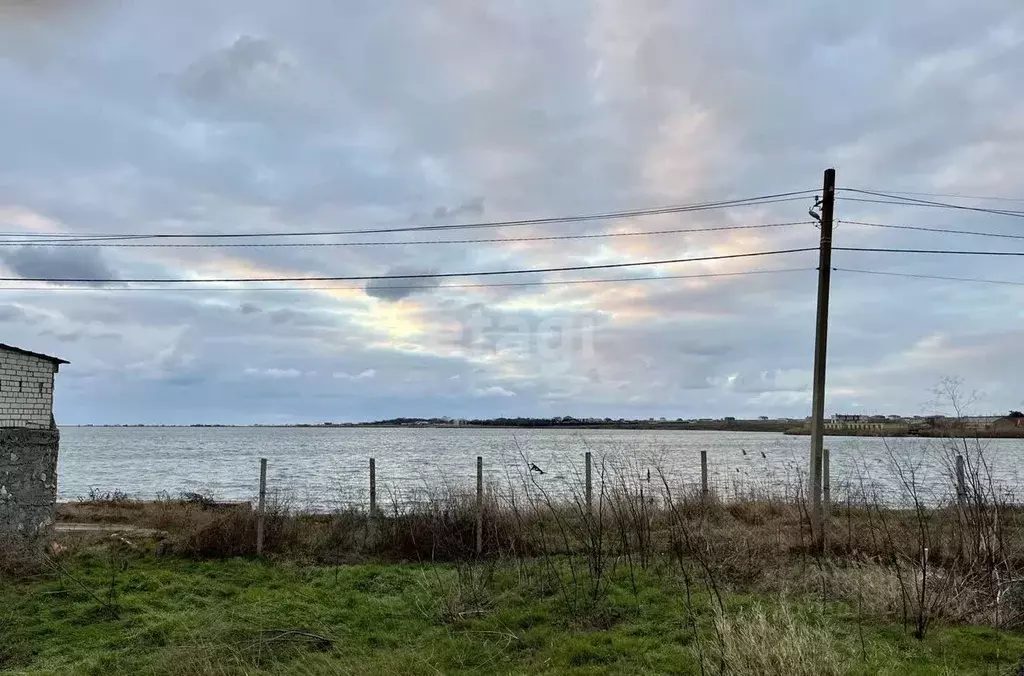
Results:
[26, 387]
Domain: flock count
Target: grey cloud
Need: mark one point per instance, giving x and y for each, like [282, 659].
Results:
[281, 316]
[393, 290]
[31, 30]
[15, 12]
[59, 263]
[473, 207]
[305, 318]
[65, 336]
[249, 308]
[250, 71]
[11, 313]
[77, 334]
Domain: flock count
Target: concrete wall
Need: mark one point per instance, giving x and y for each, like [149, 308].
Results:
[26, 390]
[28, 479]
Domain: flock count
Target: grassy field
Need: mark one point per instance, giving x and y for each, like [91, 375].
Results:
[116, 612]
[647, 577]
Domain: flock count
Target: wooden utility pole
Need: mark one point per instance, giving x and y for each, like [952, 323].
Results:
[828, 200]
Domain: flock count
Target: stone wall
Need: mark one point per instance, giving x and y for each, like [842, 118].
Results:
[28, 479]
[26, 390]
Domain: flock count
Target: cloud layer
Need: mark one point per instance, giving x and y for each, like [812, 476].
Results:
[255, 117]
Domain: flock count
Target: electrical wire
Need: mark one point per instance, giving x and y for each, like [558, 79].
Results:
[954, 195]
[495, 240]
[677, 209]
[549, 282]
[948, 231]
[430, 275]
[923, 276]
[866, 200]
[912, 201]
[926, 251]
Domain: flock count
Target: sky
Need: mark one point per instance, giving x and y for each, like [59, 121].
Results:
[267, 117]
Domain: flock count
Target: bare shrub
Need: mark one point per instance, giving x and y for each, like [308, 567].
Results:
[19, 556]
[230, 532]
[873, 589]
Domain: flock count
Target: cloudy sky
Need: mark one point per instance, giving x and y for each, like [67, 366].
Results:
[255, 116]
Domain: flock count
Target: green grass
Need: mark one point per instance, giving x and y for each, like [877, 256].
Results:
[141, 615]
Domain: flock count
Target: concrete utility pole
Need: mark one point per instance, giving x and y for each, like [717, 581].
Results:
[828, 200]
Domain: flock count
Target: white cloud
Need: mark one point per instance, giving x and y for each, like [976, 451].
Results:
[274, 373]
[368, 374]
[493, 391]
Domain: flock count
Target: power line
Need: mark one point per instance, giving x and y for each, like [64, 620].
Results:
[867, 200]
[955, 195]
[613, 280]
[912, 201]
[495, 240]
[676, 209]
[431, 275]
[949, 231]
[898, 203]
[923, 276]
[929, 251]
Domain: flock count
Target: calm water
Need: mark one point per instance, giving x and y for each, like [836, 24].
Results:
[326, 467]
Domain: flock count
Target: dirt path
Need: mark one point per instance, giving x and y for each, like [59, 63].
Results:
[65, 528]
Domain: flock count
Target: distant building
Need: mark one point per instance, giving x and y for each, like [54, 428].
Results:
[894, 424]
[863, 423]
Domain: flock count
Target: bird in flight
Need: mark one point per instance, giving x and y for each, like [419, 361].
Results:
[534, 468]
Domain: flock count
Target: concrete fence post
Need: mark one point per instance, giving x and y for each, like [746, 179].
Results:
[261, 514]
[704, 474]
[373, 488]
[589, 479]
[961, 482]
[479, 505]
[826, 496]
[826, 480]
[371, 531]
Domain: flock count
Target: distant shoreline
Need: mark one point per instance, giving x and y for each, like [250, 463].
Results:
[714, 426]
[999, 433]
[770, 426]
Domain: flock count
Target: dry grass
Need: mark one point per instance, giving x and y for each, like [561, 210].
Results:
[772, 642]
[19, 557]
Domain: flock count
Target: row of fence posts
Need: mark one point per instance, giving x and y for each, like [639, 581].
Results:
[588, 493]
[479, 502]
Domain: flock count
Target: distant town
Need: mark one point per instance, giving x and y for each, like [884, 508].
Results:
[1011, 425]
